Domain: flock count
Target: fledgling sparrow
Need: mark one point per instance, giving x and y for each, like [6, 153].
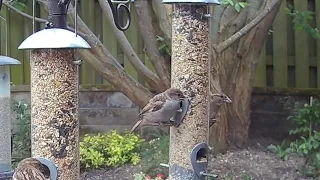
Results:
[216, 101]
[31, 169]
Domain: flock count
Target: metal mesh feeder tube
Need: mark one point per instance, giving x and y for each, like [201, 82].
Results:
[5, 116]
[190, 73]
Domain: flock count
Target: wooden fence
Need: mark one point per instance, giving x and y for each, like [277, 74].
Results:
[289, 59]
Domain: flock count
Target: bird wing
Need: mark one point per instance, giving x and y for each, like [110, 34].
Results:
[153, 106]
[28, 172]
[136, 125]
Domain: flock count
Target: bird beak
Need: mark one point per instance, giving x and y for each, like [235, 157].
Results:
[228, 100]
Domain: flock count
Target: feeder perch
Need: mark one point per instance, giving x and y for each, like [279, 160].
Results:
[195, 2]
[179, 116]
[54, 38]
[199, 160]
[5, 116]
[52, 167]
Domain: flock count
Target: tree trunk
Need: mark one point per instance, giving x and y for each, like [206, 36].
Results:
[233, 72]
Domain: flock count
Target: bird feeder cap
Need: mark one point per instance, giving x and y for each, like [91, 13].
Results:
[5, 60]
[196, 2]
[54, 38]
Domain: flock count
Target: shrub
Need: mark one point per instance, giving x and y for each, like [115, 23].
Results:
[307, 121]
[21, 138]
[154, 152]
[109, 150]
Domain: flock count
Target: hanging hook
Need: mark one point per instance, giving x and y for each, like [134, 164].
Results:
[116, 12]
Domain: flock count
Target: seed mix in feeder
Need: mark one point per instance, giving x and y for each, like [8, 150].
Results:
[190, 61]
[54, 98]
[5, 131]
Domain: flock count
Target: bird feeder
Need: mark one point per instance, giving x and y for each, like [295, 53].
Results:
[5, 116]
[54, 92]
[190, 70]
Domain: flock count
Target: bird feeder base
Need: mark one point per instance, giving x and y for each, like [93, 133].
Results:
[6, 175]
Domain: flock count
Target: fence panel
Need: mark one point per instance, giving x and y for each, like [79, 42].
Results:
[289, 58]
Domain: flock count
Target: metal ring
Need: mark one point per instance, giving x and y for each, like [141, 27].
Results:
[116, 11]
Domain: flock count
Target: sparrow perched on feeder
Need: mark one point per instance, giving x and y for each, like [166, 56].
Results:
[31, 169]
[161, 108]
[216, 101]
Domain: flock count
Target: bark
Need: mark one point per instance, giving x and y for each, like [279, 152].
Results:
[148, 29]
[235, 64]
[164, 20]
[152, 79]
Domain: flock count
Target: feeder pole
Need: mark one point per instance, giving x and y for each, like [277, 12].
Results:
[189, 72]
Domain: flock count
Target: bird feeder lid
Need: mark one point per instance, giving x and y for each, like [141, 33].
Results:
[54, 38]
[217, 2]
[5, 60]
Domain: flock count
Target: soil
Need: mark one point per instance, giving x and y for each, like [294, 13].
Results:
[254, 162]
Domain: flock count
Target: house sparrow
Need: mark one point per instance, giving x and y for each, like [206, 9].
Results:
[31, 169]
[160, 108]
[216, 101]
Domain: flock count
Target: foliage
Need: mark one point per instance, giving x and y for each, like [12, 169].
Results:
[307, 120]
[281, 150]
[155, 152]
[300, 20]
[162, 46]
[109, 150]
[21, 140]
[19, 4]
[142, 176]
[237, 5]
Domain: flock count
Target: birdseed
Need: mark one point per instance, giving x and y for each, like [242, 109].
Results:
[54, 114]
[190, 60]
[5, 131]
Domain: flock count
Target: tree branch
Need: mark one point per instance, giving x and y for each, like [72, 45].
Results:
[152, 79]
[165, 26]
[24, 14]
[148, 32]
[224, 45]
[102, 60]
[119, 78]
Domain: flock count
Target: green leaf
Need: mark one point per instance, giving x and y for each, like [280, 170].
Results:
[243, 4]
[237, 7]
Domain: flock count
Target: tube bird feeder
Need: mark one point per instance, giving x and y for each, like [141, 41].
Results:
[54, 92]
[190, 73]
[5, 116]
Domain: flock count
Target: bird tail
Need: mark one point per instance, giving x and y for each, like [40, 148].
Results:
[136, 125]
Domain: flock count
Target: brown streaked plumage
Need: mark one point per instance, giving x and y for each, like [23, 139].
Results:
[31, 169]
[216, 101]
[160, 108]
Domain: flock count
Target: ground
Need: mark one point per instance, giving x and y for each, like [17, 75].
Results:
[255, 161]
